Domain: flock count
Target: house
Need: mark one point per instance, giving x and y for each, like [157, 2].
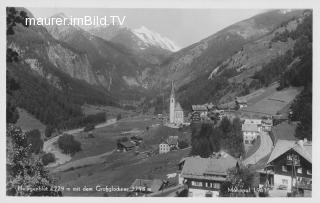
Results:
[250, 132]
[201, 109]
[170, 144]
[266, 125]
[204, 176]
[241, 103]
[176, 114]
[289, 168]
[142, 187]
[164, 147]
[196, 116]
[125, 146]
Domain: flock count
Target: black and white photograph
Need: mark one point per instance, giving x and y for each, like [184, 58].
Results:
[164, 101]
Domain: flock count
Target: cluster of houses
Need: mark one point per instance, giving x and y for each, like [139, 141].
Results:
[206, 112]
[287, 170]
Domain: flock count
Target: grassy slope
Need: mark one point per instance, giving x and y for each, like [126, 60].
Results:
[28, 122]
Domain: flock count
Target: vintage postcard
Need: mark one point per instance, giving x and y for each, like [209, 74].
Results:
[159, 101]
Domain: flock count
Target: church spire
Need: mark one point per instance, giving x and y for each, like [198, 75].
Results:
[172, 89]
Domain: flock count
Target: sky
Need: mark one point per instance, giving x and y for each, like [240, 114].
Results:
[183, 26]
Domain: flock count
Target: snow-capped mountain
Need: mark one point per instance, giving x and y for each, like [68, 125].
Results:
[149, 45]
[151, 38]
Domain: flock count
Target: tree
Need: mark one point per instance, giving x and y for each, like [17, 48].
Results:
[48, 158]
[24, 169]
[13, 18]
[225, 125]
[49, 130]
[182, 144]
[68, 144]
[240, 178]
[119, 116]
[35, 141]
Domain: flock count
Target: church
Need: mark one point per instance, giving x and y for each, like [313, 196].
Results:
[176, 115]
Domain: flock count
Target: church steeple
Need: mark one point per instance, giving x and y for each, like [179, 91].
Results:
[172, 90]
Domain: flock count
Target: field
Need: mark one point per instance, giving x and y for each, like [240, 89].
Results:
[111, 111]
[275, 102]
[100, 163]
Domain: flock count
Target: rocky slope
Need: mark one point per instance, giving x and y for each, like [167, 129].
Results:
[144, 43]
[203, 57]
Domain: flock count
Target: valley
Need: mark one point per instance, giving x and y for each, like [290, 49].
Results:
[123, 107]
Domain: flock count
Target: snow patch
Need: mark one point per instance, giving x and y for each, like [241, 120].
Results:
[155, 39]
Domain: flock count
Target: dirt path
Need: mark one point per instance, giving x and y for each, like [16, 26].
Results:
[61, 158]
[264, 149]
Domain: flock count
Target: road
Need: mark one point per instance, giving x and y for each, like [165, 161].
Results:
[61, 158]
[264, 149]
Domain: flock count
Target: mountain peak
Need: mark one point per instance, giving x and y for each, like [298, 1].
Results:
[153, 38]
[59, 15]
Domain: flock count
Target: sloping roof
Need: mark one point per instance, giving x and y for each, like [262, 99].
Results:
[282, 146]
[199, 108]
[172, 140]
[178, 107]
[250, 127]
[252, 121]
[153, 185]
[198, 167]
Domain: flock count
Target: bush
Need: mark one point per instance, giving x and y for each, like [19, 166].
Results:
[48, 158]
[49, 130]
[35, 141]
[182, 144]
[68, 144]
[119, 116]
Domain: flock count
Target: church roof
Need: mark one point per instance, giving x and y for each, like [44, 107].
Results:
[178, 107]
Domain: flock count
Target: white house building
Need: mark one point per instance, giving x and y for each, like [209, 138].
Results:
[164, 147]
[250, 132]
[176, 115]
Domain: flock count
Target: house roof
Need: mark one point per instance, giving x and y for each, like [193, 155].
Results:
[178, 107]
[199, 108]
[250, 127]
[197, 167]
[267, 121]
[252, 121]
[154, 185]
[282, 146]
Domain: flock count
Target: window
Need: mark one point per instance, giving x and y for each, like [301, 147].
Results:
[196, 183]
[284, 169]
[216, 185]
[289, 157]
[309, 172]
[299, 170]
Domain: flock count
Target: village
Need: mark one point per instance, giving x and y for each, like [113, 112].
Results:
[282, 165]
